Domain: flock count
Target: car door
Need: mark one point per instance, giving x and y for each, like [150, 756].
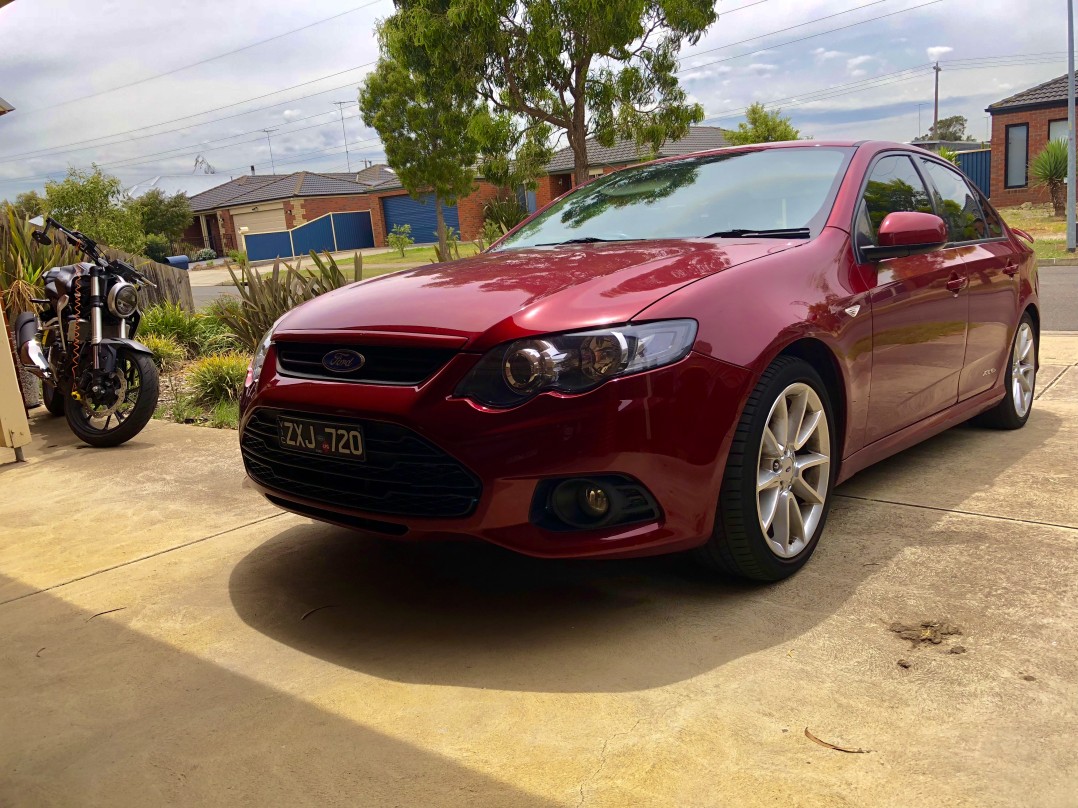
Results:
[976, 232]
[919, 308]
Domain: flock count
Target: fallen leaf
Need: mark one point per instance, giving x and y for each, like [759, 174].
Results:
[837, 748]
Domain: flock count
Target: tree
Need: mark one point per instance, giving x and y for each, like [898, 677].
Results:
[424, 130]
[953, 128]
[585, 68]
[92, 202]
[29, 204]
[1049, 168]
[165, 215]
[761, 126]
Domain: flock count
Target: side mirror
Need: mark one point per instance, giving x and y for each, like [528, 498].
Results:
[907, 233]
[41, 238]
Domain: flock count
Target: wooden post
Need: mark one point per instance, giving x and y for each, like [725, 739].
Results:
[14, 428]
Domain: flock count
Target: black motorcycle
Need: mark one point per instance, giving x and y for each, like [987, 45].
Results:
[81, 346]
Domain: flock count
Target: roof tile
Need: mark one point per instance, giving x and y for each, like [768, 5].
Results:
[1051, 92]
[699, 138]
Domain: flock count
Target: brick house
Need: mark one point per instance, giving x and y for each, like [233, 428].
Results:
[1022, 125]
[270, 215]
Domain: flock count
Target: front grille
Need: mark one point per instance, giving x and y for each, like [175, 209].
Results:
[403, 474]
[384, 364]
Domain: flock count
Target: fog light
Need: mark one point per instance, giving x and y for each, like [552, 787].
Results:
[594, 501]
[581, 503]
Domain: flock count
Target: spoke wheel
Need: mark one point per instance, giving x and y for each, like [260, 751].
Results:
[123, 406]
[793, 470]
[1023, 370]
[775, 493]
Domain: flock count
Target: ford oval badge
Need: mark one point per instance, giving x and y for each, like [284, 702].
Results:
[343, 361]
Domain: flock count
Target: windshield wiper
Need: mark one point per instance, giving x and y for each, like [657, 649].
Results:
[778, 232]
[581, 240]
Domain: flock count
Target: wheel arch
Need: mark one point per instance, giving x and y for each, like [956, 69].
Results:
[822, 358]
[1035, 315]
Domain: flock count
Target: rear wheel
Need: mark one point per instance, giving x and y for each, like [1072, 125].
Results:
[53, 399]
[776, 490]
[121, 407]
[1019, 382]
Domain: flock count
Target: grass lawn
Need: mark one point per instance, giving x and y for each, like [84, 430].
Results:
[1048, 230]
[414, 255]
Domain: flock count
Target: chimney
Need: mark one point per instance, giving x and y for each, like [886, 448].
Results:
[252, 171]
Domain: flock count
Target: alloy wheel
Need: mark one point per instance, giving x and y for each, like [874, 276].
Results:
[793, 470]
[1023, 370]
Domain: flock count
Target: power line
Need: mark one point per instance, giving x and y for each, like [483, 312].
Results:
[32, 110]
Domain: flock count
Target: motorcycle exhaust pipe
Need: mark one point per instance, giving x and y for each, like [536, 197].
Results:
[31, 354]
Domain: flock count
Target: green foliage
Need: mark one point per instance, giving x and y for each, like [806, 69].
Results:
[221, 306]
[400, 238]
[1049, 168]
[267, 296]
[218, 378]
[225, 415]
[238, 257]
[157, 248]
[185, 410]
[92, 202]
[30, 204]
[505, 211]
[952, 128]
[205, 254]
[540, 67]
[23, 261]
[199, 334]
[950, 155]
[168, 354]
[451, 250]
[492, 231]
[424, 131]
[159, 213]
[762, 126]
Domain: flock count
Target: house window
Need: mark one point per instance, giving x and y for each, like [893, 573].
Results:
[594, 172]
[1057, 130]
[1016, 159]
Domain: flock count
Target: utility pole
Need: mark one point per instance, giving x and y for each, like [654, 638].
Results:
[273, 168]
[936, 112]
[340, 108]
[1071, 190]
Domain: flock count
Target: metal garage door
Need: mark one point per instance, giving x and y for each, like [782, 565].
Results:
[266, 246]
[420, 215]
[353, 230]
[263, 220]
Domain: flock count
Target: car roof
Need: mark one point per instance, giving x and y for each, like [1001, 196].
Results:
[869, 145]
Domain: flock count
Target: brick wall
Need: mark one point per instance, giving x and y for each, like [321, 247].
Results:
[228, 231]
[312, 207]
[293, 213]
[192, 234]
[1038, 120]
[551, 187]
[470, 209]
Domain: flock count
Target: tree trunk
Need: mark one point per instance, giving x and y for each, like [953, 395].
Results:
[1059, 198]
[578, 142]
[443, 254]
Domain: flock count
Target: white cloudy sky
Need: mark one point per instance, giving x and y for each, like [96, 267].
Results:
[64, 65]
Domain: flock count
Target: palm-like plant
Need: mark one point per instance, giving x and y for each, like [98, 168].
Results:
[23, 261]
[1049, 168]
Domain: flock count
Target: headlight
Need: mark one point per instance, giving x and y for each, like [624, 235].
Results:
[574, 363]
[122, 299]
[259, 359]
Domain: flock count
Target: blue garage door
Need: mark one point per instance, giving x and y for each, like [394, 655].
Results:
[264, 246]
[316, 235]
[420, 215]
[354, 231]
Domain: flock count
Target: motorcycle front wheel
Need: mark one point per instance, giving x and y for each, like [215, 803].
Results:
[123, 408]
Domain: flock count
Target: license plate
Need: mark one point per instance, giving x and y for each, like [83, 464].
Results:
[318, 438]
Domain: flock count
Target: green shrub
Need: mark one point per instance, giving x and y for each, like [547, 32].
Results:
[400, 238]
[205, 254]
[218, 378]
[219, 306]
[185, 410]
[199, 334]
[157, 248]
[267, 296]
[168, 354]
[225, 415]
[238, 257]
[1049, 168]
[504, 211]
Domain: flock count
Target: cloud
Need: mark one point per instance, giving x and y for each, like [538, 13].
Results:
[936, 51]
[761, 67]
[823, 55]
[857, 61]
[291, 114]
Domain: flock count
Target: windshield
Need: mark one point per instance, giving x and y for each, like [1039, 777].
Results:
[768, 189]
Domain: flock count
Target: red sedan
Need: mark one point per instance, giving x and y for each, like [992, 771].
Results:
[684, 355]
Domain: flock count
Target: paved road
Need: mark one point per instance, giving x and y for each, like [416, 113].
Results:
[1059, 298]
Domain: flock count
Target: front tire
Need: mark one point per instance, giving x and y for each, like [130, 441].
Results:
[776, 489]
[114, 422]
[1019, 381]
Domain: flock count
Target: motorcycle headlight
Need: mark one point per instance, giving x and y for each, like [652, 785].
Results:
[574, 363]
[258, 360]
[122, 300]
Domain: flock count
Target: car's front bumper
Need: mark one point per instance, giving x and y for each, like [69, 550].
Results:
[668, 428]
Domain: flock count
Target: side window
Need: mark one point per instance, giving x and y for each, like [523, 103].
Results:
[894, 185]
[957, 203]
[995, 224]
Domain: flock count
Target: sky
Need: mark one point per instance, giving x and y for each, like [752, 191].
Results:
[145, 87]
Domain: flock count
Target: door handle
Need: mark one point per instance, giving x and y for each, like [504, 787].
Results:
[957, 283]
[1011, 269]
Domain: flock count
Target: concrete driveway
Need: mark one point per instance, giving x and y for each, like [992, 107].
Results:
[169, 638]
